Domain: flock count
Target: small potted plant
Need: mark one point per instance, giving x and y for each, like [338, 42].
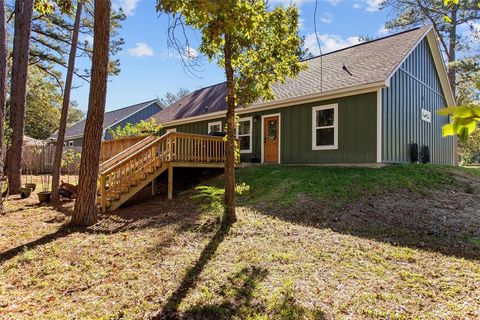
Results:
[44, 195]
[25, 192]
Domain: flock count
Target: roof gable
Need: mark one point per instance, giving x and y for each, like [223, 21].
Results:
[111, 117]
[364, 65]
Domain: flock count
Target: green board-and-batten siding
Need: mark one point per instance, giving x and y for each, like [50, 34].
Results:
[357, 132]
[414, 86]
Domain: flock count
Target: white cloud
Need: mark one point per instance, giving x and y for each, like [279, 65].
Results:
[372, 5]
[334, 2]
[141, 49]
[357, 5]
[128, 6]
[327, 18]
[328, 42]
[301, 24]
[189, 53]
[383, 31]
[288, 2]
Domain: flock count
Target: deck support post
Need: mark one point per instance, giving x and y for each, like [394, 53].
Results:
[154, 186]
[170, 182]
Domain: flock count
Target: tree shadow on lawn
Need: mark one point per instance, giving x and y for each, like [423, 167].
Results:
[62, 232]
[238, 301]
[237, 293]
[170, 311]
[154, 214]
[439, 220]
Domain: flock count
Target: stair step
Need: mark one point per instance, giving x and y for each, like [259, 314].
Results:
[107, 203]
[124, 188]
[115, 196]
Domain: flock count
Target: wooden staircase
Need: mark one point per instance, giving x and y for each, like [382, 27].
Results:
[124, 175]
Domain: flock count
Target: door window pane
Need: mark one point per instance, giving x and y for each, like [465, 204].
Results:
[272, 130]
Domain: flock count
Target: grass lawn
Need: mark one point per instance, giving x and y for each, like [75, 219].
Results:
[401, 242]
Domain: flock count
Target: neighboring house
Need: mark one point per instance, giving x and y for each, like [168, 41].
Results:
[363, 104]
[113, 119]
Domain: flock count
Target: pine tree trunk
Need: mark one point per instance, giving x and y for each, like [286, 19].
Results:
[57, 160]
[3, 91]
[21, 50]
[452, 78]
[230, 215]
[85, 213]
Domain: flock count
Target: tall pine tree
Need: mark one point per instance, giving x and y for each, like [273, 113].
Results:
[85, 212]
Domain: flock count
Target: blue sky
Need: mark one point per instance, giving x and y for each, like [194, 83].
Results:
[150, 69]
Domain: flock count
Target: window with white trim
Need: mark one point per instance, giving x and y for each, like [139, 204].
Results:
[244, 133]
[215, 127]
[70, 143]
[325, 127]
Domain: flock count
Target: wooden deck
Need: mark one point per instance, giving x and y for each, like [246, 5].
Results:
[122, 176]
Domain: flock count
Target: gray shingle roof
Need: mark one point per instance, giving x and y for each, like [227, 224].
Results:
[109, 118]
[368, 63]
[205, 100]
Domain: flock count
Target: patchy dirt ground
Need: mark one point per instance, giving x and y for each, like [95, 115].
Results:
[445, 220]
[399, 255]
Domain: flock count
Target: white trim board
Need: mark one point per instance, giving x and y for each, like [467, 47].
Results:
[379, 126]
[262, 135]
[441, 68]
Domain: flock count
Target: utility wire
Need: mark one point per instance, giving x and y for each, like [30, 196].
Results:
[318, 43]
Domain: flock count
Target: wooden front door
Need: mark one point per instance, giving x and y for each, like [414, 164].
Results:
[271, 139]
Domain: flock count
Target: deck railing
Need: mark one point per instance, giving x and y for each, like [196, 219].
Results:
[149, 155]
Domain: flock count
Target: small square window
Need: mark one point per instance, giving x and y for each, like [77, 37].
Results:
[215, 127]
[70, 143]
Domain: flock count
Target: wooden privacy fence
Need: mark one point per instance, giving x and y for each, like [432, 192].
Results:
[111, 148]
[38, 159]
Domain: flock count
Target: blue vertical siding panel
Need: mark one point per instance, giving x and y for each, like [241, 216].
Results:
[415, 86]
[136, 117]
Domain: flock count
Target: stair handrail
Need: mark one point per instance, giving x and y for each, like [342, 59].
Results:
[104, 174]
[123, 161]
[106, 164]
[165, 154]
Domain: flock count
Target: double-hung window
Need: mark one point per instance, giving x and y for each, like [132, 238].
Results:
[244, 133]
[325, 127]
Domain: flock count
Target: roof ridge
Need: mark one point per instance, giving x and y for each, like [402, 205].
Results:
[212, 85]
[133, 105]
[367, 42]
